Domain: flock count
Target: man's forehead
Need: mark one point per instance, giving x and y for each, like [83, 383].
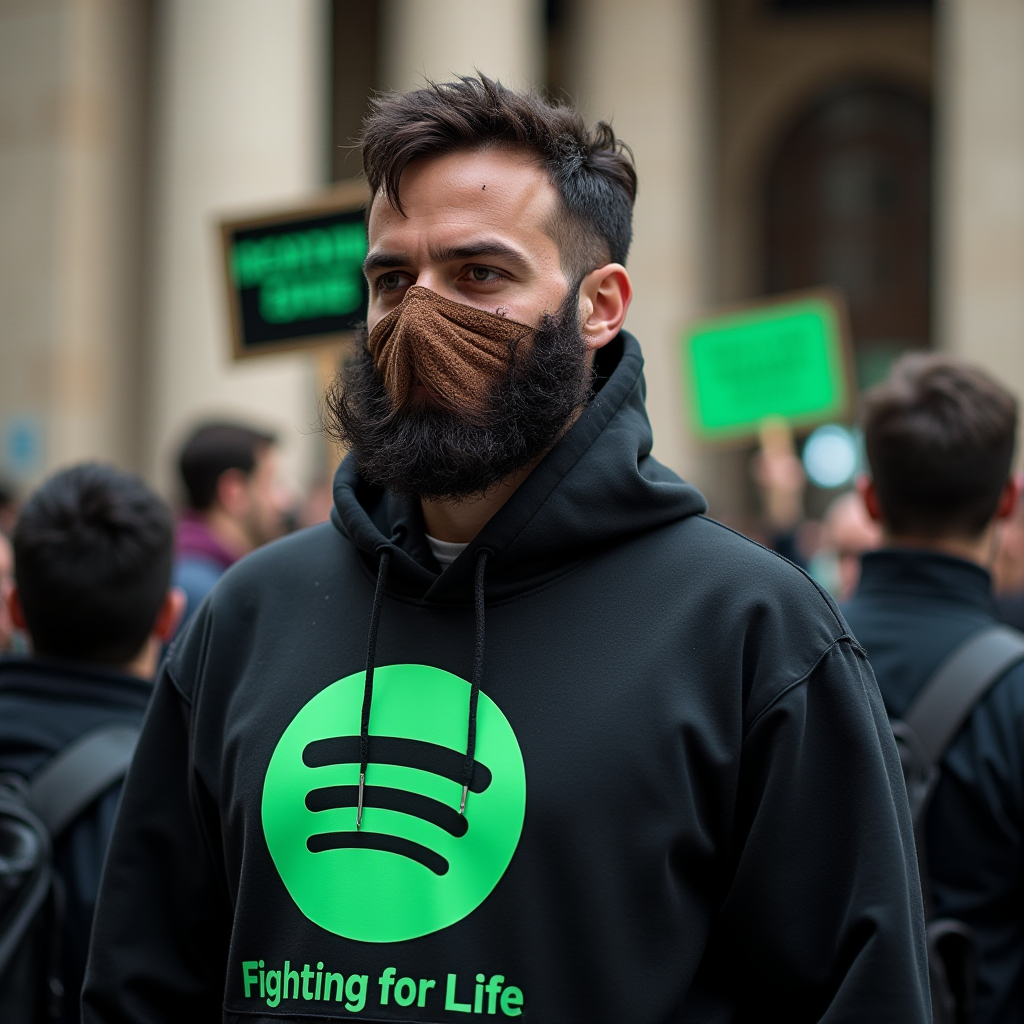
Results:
[499, 187]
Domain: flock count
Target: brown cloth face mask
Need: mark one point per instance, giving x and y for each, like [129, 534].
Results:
[457, 352]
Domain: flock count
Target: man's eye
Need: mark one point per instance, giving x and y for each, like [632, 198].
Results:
[481, 274]
[389, 282]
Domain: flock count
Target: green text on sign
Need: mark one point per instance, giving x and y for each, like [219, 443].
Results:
[781, 359]
[304, 274]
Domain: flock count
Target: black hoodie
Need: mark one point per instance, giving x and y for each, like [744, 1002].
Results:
[684, 801]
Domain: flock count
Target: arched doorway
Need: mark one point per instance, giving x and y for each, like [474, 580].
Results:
[848, 203]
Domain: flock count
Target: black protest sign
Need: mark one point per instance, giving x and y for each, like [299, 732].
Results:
[295, 278]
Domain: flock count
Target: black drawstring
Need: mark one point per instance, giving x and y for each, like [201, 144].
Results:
[469, 765]
[478, 675]
[371, 652]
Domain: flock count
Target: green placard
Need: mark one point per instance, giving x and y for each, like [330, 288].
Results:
[782, 358]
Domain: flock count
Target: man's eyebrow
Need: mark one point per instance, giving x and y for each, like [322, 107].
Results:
[485, 248]
[384, 261]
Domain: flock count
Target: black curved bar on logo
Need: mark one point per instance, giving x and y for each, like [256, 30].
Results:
[378, 841]
[428, 757]
[425, 807]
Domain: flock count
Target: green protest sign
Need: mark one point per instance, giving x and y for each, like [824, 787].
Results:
[785, 358]
[295, 278]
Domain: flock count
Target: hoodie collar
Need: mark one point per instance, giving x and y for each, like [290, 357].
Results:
[597, 486]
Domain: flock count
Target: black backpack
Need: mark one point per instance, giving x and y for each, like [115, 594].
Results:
[922, 737]
[33, 814]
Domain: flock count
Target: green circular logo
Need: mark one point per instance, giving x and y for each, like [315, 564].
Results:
[416, 865]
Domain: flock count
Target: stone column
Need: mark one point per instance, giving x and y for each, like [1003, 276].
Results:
[439, 39]
[981, 185]
[641, 66]
[72, 100]
[240, 127]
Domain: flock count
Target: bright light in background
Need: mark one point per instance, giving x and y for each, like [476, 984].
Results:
[831, 455]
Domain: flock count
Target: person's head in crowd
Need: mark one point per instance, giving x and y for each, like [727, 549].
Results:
[93, 551]
[230, 477]
[940, 439]
[498, 231]
[847, 532]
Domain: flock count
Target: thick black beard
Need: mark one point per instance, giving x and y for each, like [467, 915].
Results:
[429, 452]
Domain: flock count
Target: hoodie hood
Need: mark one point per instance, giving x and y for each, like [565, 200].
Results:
[598, 486]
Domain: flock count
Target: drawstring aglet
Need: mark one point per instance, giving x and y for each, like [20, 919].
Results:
[359, 803]
[462, 805]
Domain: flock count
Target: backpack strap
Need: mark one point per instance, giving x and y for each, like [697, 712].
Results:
[953, 691]
[80, 773]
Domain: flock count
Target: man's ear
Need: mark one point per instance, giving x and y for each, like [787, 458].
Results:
[605, 295]
[16, 611]
[869, 495]
[1010, 498]
[169, 616]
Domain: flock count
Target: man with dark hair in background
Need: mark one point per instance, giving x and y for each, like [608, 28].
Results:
[519, 733]
[93, 552]
[234, 503]
[940, 438]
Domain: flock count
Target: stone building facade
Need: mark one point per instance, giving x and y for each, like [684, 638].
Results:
[128, 127]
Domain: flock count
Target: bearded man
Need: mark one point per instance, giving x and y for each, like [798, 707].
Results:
[520, 732]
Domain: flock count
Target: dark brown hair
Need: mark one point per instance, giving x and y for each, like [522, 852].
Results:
[940, 438]
[211, 450]
[591, 170]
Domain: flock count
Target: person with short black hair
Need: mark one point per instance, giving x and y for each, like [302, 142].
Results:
[519, 732]
[93, 553]
[940, 440]
[940, 437]
[234, 503]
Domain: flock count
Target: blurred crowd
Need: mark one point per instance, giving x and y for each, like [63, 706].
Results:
[233, 500]
[830, 547]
